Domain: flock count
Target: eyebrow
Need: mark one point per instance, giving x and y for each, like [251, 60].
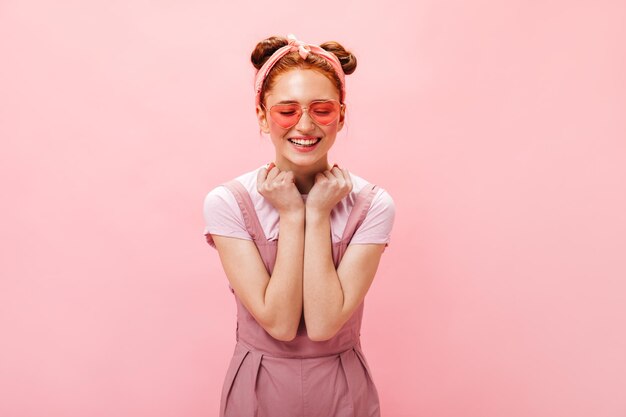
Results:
[296, 101]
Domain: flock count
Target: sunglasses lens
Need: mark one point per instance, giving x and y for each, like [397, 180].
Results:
[286, 115]
[323, 112]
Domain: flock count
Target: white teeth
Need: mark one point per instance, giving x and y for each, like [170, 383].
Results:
[305, 142]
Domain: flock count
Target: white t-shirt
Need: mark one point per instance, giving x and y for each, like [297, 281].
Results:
[223, 217]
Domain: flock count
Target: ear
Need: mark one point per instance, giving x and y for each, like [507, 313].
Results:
[262, 119]
[342, 117]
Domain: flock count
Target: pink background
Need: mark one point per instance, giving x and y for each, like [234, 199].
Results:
[498, 127]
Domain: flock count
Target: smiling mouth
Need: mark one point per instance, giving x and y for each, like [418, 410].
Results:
[305, 143]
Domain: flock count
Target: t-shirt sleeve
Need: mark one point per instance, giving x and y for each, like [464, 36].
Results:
[222, 216]
[378, 223]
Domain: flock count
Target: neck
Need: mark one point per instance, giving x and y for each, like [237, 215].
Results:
[304, 175]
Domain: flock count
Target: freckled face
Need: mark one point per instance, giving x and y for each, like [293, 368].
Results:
[302, 86]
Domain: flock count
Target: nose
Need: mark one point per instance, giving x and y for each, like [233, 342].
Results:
[306, 122]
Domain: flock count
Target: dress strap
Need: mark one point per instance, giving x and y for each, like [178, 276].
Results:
[359, 210]
[253, 225]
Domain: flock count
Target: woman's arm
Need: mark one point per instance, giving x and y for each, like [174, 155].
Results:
[331, 295]
[275, 303]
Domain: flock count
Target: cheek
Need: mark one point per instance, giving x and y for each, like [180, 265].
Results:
[331, 130]
[277, 135]
[275, 129]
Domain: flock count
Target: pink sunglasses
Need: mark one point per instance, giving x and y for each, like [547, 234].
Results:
[323, 112]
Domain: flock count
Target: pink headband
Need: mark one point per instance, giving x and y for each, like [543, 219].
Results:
[304, 49]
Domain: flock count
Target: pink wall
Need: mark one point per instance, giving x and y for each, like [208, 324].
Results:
[498, 127]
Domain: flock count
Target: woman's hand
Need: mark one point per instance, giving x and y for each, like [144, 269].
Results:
[279, 188]
[330, 187]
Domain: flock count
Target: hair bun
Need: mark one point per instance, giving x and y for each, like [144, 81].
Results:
[346, 58]
[264, 50]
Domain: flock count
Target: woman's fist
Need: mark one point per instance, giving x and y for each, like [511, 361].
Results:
[279, 188]
[330, 187]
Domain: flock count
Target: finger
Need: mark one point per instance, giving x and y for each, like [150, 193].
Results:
[348, 178]
[273, 173]
[340, 180]
[343, 174]
[260, 177]
[337, 172]
[338, 176]
[281, 176]
[285, 177]
[290, 177]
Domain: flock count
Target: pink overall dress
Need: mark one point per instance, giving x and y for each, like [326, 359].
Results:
[300, 378]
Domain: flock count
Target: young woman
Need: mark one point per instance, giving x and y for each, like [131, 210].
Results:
[299, 293]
